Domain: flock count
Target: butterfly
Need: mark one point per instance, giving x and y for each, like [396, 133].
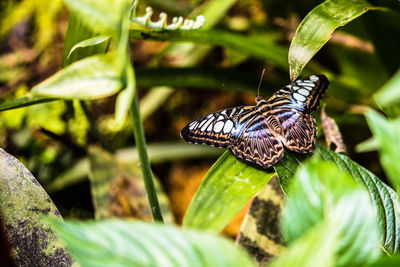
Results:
[259, 133]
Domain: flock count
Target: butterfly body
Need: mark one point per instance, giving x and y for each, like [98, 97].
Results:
[259, 133]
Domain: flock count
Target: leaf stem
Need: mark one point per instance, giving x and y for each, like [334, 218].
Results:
[144, 161]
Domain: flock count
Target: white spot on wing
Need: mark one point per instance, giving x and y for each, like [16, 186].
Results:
[202, 122]
[223, 112]
[314, 78]
[220, 118]
[305, 83]
[192, 125]
[309, 88]
[204, 127]
[218, 126]
[303, 92]
[210, 127]
[296, 87]
[228, 126]
[299, 97]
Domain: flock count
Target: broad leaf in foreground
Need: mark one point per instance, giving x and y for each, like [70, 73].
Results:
[227, 187]
[317, 27]
[128, 243]
[324, 196]
[383, 197]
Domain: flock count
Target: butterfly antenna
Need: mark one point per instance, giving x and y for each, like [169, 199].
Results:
[259, 84]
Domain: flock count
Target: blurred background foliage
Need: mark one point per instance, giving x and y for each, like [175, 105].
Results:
[178, 82]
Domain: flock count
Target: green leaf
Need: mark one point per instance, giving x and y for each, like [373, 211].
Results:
[387, 134]
[77, 32]
[386, 261]
[23, 204]
[383, 197]
[24, 102]
[286, 168]
[127, 243]
[90, 78]
[226, 188]
[322, 193]
[101, 16]
[94, 41]
[389, 94]
[314, 248]
[317, 27]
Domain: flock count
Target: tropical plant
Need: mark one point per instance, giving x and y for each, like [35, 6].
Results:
[336, 212]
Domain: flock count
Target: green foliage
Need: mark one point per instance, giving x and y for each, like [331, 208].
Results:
[317, 27]
[226, 188]
[387, 133]
[383, 197]
[127, 243]
[328, 219]
[389, 93]
[90, 78]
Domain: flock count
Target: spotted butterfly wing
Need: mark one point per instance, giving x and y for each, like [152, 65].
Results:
[258, 133]
[215, 129]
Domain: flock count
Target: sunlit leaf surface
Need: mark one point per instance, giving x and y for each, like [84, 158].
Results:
[316, 29]
[227, 187]
[128, 243]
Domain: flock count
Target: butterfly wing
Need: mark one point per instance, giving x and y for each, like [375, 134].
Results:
[303, 95]
[299, 130]
[255, 142]
[215, 129]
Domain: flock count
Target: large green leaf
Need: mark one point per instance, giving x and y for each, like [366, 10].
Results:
[324, 196]
[90, 78]
[23, 205]
[387, 134]
[127, 243]
[226, 188]
[317, 27]
[383, 197]
[314, 248]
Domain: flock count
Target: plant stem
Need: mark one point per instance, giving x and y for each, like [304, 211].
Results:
[144, 161]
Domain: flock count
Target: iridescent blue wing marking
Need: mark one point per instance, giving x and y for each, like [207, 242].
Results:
[298, 131]
[257, 143]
